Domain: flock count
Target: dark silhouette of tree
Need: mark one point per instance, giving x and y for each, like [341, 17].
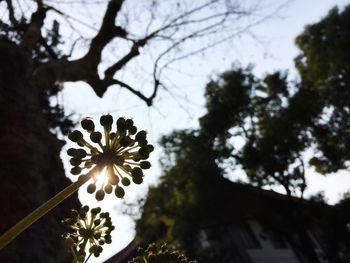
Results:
[35, 63]
[336, 231]
[263, 127]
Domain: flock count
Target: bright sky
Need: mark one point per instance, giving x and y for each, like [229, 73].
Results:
[274, 49]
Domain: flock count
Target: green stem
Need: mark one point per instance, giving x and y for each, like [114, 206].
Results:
[22, 225]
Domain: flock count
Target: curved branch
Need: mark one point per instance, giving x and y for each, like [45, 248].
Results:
[33, 33]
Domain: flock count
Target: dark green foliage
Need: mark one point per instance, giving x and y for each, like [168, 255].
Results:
[324, 66]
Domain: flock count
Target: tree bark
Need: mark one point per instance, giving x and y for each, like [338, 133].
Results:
[30, 168]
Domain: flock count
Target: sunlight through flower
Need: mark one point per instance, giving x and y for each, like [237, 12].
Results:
[120, 155]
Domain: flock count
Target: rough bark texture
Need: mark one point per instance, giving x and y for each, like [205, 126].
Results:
[30, 168]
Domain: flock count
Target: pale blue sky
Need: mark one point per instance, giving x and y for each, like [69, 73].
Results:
[273, 50]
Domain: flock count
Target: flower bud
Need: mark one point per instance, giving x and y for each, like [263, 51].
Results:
[129, 123]
[75, 170]
[121, 124]
[137, 179]
[119, 192]
[132, 130]
[108, 188]
[75, 161]
[106, 121]
[88, 125]
[96, 210]
[125, 141]
[71, 152]
[140, 136]
[125, 181]
[75, 136]
[150, 148]
[145, 165]
[81, 153]
[136, 172]
[91, 188]
[144, 153]
[100, 194]
[96, 137]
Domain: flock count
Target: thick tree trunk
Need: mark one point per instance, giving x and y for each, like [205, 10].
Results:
[30, 168]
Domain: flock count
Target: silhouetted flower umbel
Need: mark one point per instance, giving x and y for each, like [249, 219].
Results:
[88, 231]
[121, 154]
[160, 254]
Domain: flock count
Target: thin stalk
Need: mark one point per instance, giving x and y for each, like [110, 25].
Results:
[22, 225]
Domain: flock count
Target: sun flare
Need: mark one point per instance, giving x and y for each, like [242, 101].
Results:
[101, 178]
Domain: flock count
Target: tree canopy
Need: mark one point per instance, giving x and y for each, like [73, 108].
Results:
[270, 129]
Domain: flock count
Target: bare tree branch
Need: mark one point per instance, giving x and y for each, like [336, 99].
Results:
[192, 24]
[107, 32]
[33, 33]
[12, 17]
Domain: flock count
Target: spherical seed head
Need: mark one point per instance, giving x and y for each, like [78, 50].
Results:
[75, 136]
[108, 188]
[96, 137]
[81, 153]
[96, 210]
[125, 181]
[145, 165]
[132, 130]
[143, 143]
[127, 168]
[129, 123]
[121, 124]
[91, 188]
[137, 179]
[88, 125]
[141, 136]
[93, 249]
[74, 213]
[155, 254]
[100, 194]
[75, 161]
[97, 222]
[71, 152]
[76, 170]
[136, 158]
[150, 148]
[143, 153]
[106, 120]
[86, 234]
[119, 192]
[136, 172]
[125, 141]
[115, 153]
